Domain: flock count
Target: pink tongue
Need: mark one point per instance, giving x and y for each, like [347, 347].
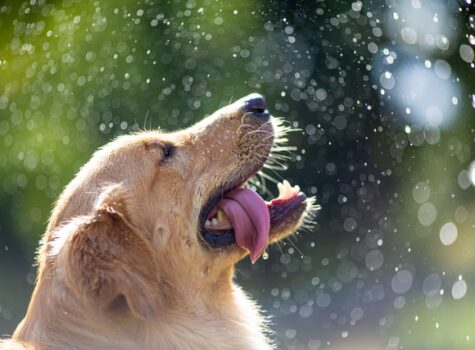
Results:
[250, 218]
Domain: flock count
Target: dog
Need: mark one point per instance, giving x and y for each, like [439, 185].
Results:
[140, 249]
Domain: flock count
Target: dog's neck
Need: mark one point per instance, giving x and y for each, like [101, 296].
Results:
[61, 319]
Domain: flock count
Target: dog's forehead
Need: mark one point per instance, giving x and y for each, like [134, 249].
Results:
[160, 137]
[139, 140]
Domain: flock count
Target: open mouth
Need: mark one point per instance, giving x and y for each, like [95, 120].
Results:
[241, 216]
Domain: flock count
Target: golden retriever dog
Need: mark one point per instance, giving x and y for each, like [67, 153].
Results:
[140, 249]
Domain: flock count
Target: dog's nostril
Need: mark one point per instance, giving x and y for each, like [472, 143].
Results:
[256, 103]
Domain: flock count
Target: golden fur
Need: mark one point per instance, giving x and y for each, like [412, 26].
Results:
[122, 265]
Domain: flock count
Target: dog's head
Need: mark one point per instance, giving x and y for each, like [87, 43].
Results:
[155, 211]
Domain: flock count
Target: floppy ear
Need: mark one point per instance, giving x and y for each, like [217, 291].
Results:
[109, 261]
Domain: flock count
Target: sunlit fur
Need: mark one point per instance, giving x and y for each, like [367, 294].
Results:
[122, 264]
[277, 161]
[280, 154]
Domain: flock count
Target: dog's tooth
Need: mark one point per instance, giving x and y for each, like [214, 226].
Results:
[214, 221]
[221, 215]
[207, 223]
[289, 192]
[280, 186]
[288, 189]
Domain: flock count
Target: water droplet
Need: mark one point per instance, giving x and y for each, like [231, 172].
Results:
[448, 233]
[459, 289]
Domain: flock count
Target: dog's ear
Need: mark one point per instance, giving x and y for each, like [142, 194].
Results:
[110, 262]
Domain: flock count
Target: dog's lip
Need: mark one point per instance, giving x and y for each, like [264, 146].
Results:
[281, 208]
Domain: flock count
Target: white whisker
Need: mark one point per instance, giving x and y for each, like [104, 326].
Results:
[289, 239]
[268, 177]
[284, 148]
[274, 167]
[244, 125]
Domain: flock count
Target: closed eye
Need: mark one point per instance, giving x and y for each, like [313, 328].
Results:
[168, 151]
[164, 150]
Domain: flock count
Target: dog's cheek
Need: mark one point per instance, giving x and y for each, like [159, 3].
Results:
[160, 237]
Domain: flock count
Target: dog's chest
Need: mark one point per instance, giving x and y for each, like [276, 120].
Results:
[208, 335]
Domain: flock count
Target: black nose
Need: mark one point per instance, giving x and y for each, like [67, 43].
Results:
[256, 104]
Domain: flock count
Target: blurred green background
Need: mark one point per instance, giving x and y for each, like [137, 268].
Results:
[382, 91]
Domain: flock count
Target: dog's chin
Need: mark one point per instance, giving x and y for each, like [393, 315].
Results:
[293, 219]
